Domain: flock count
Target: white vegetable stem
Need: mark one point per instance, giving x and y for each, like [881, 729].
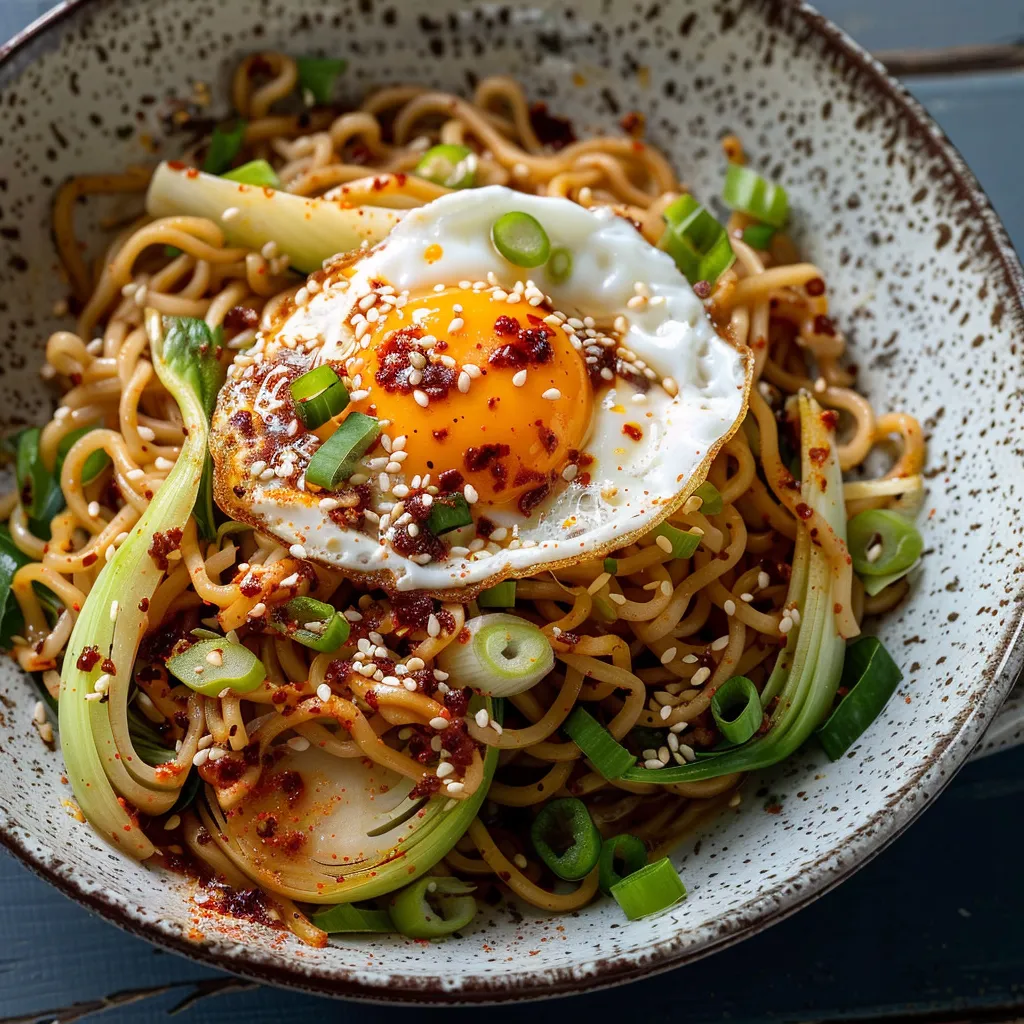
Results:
[307, 231]
[504, 655]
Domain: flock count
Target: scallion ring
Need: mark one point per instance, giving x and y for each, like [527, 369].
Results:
[501, 595]
[448, 512]
[449, 165]
[560, 264]
[710, 499]
[521, 239]
[211, 666]
[625, 850]
[696, 241]
[759, 236]
[736, 709]
[605, 753]
[649, 890]
[566, 838]
[683, 543]
[257, 173]
[432, 907]
[319, 396]
[336, 459]
[882, 542]
[502, 656]
[746, 191]
[314, 624]
[346, 917]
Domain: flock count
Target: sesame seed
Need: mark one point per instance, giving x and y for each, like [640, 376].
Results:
[763, 580]
[421, 398]
[323, 691]
[552, 394]
[269, 250]
[794, 614]
[456, 325]
[216, 753]
[702, 675]
[201, 757]
[438, 288]
[464, 382]
[653, 762]
[297, 551]
[456, 787]
[639, 398]
[352, 615]
[299, 743]
[257, 610]
[664, 543]
[786, 624]
[519, 378]
[147, 433]
[444, 769]
[687, 752]
[689, 659]
[439, 723]
[729, 607]
[874, 552]
[747, 598]
[470, 494]
[720, 644]
[568, 474]
[433, 626]
[668, 655]
[215, 657]
[666, 711]
[205, 741]
[666, 588]
[113, 610]
[637, 302]
[617, 598]
[93, 509]
[163, 464]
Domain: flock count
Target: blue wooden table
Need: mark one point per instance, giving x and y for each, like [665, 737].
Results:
[928, 931]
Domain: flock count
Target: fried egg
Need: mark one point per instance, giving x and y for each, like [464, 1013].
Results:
[572, 415]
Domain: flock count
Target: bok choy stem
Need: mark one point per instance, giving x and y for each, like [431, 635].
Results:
[114, 620]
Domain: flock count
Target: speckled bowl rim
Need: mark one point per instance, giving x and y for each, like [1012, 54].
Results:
[901, 808]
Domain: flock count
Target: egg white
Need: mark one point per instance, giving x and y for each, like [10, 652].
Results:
[632, 487]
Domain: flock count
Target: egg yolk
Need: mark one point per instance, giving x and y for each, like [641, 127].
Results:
[480, 386]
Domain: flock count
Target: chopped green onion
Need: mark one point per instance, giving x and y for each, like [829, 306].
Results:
[649, 890]
[696, 241]
[225, 145]
[448, 512]
[560, 264]
[746, 191]
[870, 677]
[521, 239]
[710, 499]
[319, 396]
[432, 907]
[609, 757]
[683, 544]
[330, 630]
[317, 76]
[210, 666]
[625, 849]
[504, 655]
[229, 527]
[40, 494]
[346, 917]
[759, 236]
[449, 165]
[501, 595]
[336, 459]
[255, 172]
[883, 542]
[566, 838]
[611, 565]
[95, 462]
[736, 708]
[172, 252]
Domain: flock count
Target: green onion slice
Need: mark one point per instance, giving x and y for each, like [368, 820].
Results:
[347, 917]
[746, 191]
[874, 585]
[560, 264]
[683, 544]
[448, 512]
[759, 236]
[95, 462]
[225, 145]
[736, 708]
[314, 624]
[611, 565]
[503, 656]
[649, 890]
[605, 753]
[432, 907]
[319, 396]
[622, 849]
[566, 838]
[449, 165]
[501, 595]
[521, 239]
[11, 560]
[711, 499]
[210, 666]
[336, 459]
[255, 172]
[696, 241]
[317, 75]
[883, 542]
[870, 677]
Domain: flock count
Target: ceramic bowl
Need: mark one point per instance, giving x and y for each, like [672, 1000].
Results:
[924, 281]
